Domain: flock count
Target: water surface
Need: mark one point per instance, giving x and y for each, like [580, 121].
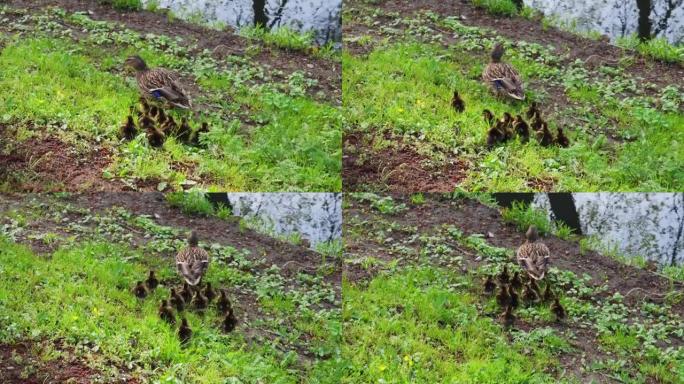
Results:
[323, 17]
[619, 18]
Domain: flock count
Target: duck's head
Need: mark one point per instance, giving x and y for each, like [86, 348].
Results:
[136, 62]
[532, 233]
[497, 52]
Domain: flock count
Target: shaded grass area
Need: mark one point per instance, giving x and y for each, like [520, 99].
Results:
[419, 313]
[620, 139]
[263, 134]
[72, 287]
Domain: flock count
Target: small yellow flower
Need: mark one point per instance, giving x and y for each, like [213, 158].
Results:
[401, 110]
[96, 311]
[382, 367]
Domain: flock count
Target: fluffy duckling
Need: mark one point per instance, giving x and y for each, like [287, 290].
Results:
[507, 318]
[192, 261]
[561, 139]
[186, 292]
[152, 281]
[504, 277]
[548, 293]
[229, 322]
[145, 122]
[529, 295]
[177, 300]
[161, 117]
[200, 301]
[166, 312]
[155, 137]
[184, 331]
[209, 293]
[533, 110]
[537, 123]
[558, 309]
[544, 137]
[194, 140]
[489, 285]
[223, 302]
[128, 129]
[169, 126]
[503, 298]
[457, 102]
[145, 107]
[521, 128]
[533, 256]
[535, 287]
[515, 300]
[140, 290]
[488, 117]
[516, 281]
[495, 136]
[184, 131]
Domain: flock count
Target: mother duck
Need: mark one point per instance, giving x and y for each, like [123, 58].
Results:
[501, 77]
[159, 83]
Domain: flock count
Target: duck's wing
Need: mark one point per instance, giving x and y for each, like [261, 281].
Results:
[162, 83]
[504, 78]
[534, 258]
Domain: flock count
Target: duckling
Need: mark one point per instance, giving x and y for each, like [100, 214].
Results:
[184, 131]
[544, 137]
[155, 137]
[488, 116]
[229, 322]
[145, 122]
[535, 287]
[457, 102]
[145, 110]
[186, 293]
[489, 285]
[209, 293]
[154, 112]
[537, 123]
[558, 309]
[494, 136]
[516, 281]
[548, 293]
[194, 140]
[507, 317]
[169, 126]
[140, 290]
[529, 295]
[184, 331]
[200, 301]
[501, 78]
[521, 128]
[533, 256]
[166, 312]
[507, 125]
[223, 302]
[561, 139]
[503, 298]
[161, 117]
[177, 300]
[515, 301]
[504, 277]
[192, 261]
[128, 130]
[152, 281]
[533, 110]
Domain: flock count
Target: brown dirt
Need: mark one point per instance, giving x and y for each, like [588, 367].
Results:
[21, 363]
[397, 170]
[47, 164]
[328, 73]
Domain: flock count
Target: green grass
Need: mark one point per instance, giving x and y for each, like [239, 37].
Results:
[193, 202]
[126, 5]
[497, 7]
[264, 135]
[283, 37]
[410, 327]
[523, 215]
[404, 89]
[657, 48]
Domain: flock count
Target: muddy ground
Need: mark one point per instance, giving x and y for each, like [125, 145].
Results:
[472, 217]
[265, 252]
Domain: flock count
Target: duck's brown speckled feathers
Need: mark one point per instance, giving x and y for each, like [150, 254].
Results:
[192, 261]
[159, 83]
[501, 77]
[533, 256]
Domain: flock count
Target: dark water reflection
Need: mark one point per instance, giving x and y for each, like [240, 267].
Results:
[638, 224]
[317, 217]
[323, 17]
[618, 18]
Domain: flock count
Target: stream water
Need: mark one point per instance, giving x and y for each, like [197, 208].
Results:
[618, 18]
[638, 224]
[317, 217]
[323, 17]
